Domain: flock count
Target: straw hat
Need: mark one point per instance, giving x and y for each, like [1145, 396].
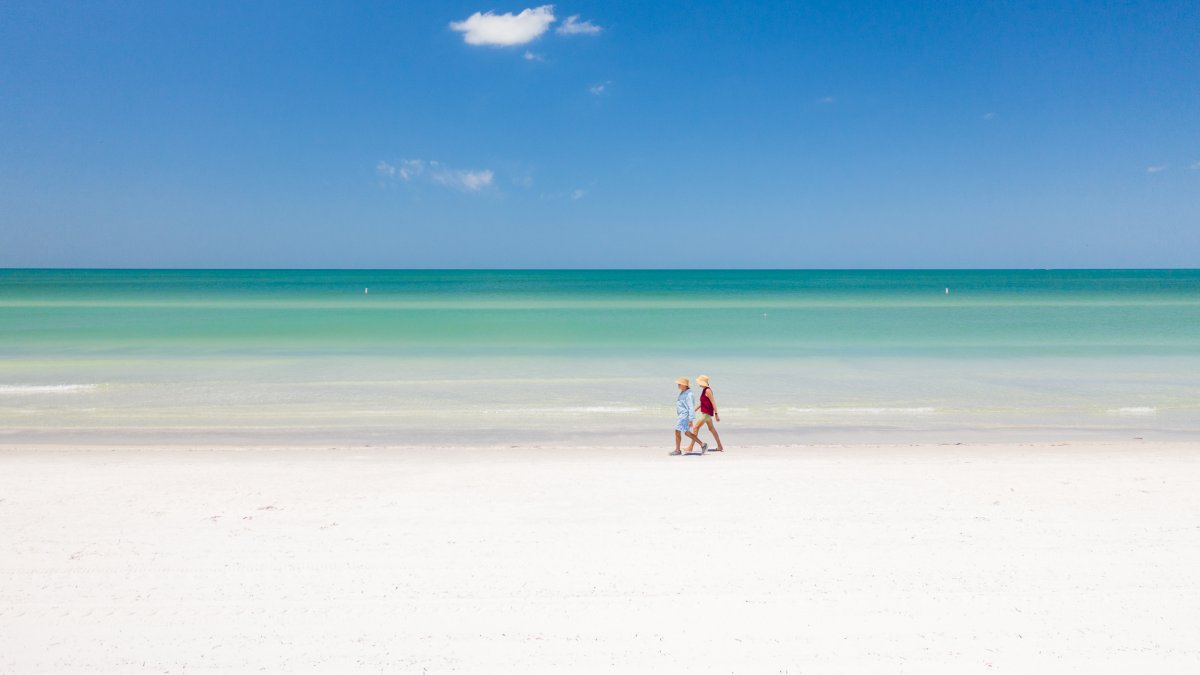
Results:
[702, 380]
[683, 381]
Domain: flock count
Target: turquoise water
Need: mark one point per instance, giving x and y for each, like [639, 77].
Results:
[482, 356]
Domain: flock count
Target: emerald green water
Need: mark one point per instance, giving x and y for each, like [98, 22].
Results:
[535, 355]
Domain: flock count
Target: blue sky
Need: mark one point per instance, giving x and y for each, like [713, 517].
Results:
[600, 134]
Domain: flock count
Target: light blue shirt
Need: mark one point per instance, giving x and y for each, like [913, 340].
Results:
[685, 405]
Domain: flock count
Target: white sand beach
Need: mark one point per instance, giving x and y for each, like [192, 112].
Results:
[1064, 558]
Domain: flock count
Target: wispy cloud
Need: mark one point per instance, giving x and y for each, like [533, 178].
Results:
[505, 30]
[466, 180]
[1156, 169]
[408, 170]
[530, 56]
[598, 89]
[1196, 166]
[573, 26]
[988, 117]
[826, 100]
[405, 169]
[578, 194]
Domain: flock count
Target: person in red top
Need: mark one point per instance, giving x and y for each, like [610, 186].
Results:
[708, 412]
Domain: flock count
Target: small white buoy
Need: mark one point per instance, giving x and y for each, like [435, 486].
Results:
[947, 291]
[366, 290]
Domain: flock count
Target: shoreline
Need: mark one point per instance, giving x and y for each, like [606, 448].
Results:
[470, 431]
[624, 451]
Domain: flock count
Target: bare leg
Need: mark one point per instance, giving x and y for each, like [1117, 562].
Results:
[676, 440]
[693, 434]
[712, 428]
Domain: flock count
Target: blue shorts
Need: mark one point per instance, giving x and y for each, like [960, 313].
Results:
[683, 424]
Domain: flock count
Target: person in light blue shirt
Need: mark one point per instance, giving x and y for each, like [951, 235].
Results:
[685, 410]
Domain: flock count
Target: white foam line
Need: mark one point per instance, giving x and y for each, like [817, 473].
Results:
[570, 410]
[863, 411]
[602, 409]
[1134, 410]
[45, 388]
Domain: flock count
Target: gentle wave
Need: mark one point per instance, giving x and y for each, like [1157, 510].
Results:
[570, 410]
[45, 388]
[1134, 411]
[863, 411]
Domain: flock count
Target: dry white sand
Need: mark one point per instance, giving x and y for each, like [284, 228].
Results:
[1081, 558]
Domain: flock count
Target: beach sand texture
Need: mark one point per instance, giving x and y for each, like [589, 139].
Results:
[919, 559]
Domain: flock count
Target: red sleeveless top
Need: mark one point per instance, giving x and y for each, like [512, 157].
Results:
[706, 402]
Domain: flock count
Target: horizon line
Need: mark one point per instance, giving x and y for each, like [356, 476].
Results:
[599, 269]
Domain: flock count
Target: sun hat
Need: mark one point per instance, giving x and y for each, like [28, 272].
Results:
[702, 380]
[683, 381]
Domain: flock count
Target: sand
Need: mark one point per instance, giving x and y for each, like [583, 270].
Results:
[1063, 558]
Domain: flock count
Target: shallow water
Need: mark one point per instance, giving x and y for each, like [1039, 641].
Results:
[551, 356]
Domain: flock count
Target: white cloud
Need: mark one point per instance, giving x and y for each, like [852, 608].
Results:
[530, 56]
[597, 89]
[825, 100]
[988, 117]
[1156, 169]
[1195, 166]
[407, 170]
[467, 180]
[410, 168]
[578, 194]
[573, 26]
[505, 30]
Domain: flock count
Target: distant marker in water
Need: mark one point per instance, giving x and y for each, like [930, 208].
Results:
[947, 291]
[366, 290]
